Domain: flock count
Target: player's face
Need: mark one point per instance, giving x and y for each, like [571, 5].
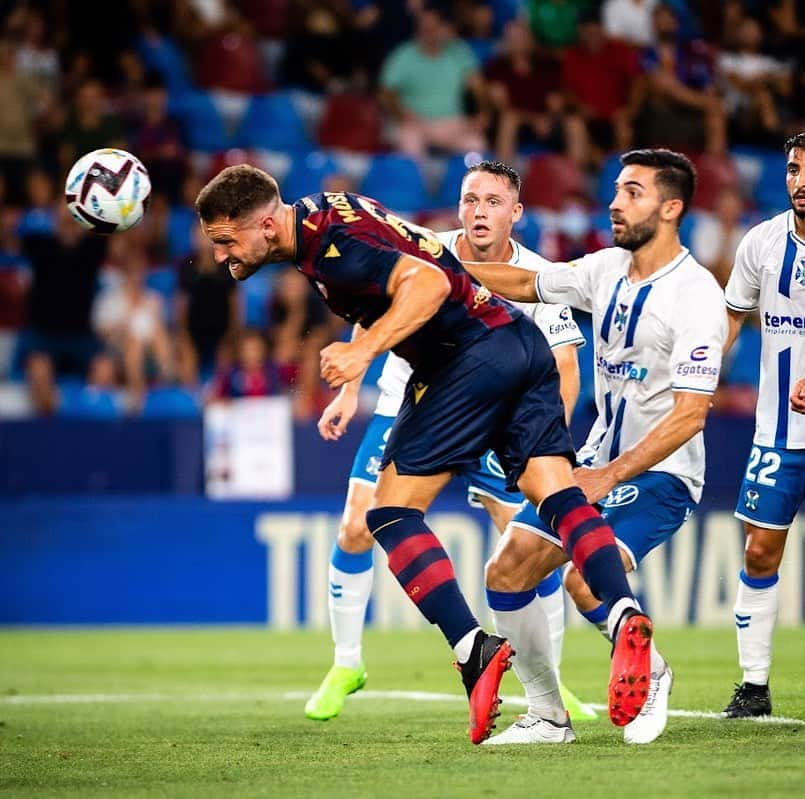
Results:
[488, 208]
[242, 244]
[635, 210]
[795, 180]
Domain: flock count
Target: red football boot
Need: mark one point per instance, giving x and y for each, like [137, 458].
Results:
[630, 672]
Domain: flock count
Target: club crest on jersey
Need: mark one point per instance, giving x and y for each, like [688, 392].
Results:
[751, 499]
[621, 495]
[799, 276]
[482, 296]
[620, 316]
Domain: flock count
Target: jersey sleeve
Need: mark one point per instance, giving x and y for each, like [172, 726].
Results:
[700, 330]
[743, 287]
[568, 284]
[558, 325]
[356, 261]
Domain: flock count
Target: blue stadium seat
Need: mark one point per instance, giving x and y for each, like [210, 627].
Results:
[161, 54]
[78, 401]
[396, 182]
[181, 221]
[528, 230]
[770, 192]
[202, 125]
[162, 279]
[307, 174]
[605, 187]
[170, 402]
[271, 122]
[450, 186]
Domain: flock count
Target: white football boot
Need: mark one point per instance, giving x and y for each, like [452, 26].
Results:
[534, 730]
[651, 720]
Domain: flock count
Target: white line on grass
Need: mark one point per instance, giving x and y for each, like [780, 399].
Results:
[293, 696]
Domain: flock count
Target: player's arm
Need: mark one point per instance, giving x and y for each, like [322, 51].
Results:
[338, 414]
[567, 362]
[417, 290]
[734, 321]
[504, 279]
[798, 396]
[678, 426]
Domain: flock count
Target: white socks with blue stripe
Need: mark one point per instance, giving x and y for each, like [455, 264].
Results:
[756, 603]
[347, 598]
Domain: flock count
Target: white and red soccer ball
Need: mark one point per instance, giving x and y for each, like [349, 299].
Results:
[108, 191]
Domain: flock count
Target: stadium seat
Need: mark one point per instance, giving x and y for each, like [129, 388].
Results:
[307, 174]
[549, 180]
[162, 279]
[771, 195]
[351, 121]
[181, 221]
[201, 122]
[715, 173]
[528, 230]
[170, 402]
[161, 54]
[396, 181]
[605, 184]
[447, 194]
[79, 401]
[271, 122]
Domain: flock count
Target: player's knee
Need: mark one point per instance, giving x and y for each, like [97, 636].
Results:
[574, 584]
[503, 575]
[353, 534]
[761, 558]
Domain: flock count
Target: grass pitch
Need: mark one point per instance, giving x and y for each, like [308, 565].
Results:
[218, 713]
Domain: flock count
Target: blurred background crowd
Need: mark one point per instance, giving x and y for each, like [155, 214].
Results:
[393, 99]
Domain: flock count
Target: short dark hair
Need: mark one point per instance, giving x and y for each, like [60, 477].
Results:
[675, 176]
[235, 191]
[500, 169]
[797, 141]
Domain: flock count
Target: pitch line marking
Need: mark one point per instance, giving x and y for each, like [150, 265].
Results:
[292, 696]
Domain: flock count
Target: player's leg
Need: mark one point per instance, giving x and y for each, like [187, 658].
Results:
[756, 604]
[350, 577]
[771, 493]
[486, 486]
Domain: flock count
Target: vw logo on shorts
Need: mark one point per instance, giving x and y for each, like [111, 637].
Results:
[493, 465]
[751, 499]
[621, 495]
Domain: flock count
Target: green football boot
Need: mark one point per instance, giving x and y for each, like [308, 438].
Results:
[578, 710]
[336, 686]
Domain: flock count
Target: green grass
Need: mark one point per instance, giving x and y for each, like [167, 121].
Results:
[187, 738]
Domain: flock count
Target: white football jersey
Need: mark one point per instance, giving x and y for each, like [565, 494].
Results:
[769, 274]
[555, 321]
[652, 338]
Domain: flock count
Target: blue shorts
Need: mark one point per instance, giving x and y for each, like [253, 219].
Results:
[487, 479]
[644, 513]
[366, 465]
[773, 487]
[500, 392]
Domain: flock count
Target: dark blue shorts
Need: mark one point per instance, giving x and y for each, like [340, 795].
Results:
[501, 392]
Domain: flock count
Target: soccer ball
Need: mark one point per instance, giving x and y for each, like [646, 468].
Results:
[108, 191]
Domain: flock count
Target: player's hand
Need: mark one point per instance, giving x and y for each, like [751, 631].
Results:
[337, 415]
[798, 396]
[342, 362]
[595, 483]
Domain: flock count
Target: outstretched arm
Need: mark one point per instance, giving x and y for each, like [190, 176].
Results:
[504, 279]
[417, 290]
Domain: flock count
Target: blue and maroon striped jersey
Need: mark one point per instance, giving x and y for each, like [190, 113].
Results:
[347, 247]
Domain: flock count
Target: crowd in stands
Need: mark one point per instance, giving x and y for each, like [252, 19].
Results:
[393, 99]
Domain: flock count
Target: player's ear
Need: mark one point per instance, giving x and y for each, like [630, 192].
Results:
[671, 210]
[517, 212]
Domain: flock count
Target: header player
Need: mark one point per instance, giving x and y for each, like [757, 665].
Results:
[489, 205]
[769, 275]
[659, 325]
[409, 294]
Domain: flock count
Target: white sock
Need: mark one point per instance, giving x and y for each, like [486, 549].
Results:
[347, 600]
[463, 647]
[755, 616]
[616, 611]
[553, 606]
[528, 633]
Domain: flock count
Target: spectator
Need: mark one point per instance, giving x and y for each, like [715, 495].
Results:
[524, 88]
[716, 236]
[40, 215]
[573, 234]
[59, 339]
[207, 312]
[754, 84]
[299, 327]
[129, 319]
[630, 21]
[37, 59]
[681, 107]
[157, 140]
[19, 99]
[599, 75]
[554, 22]
[253, 374]
[89, 126]
[423, 83]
